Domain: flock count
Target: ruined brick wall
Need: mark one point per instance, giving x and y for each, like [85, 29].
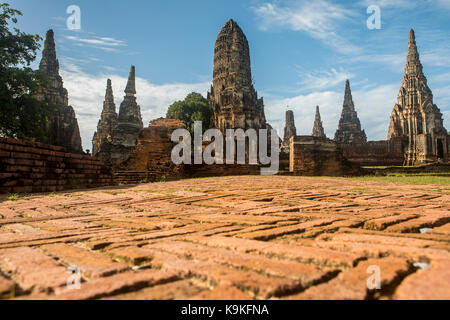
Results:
[312, 156]
[221, 170]
[27, 167]
[151, 159]
[375, 153]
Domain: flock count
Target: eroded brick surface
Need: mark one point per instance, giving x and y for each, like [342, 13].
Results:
[229, 238]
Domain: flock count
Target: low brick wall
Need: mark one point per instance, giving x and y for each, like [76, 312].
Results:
[375, 153]
[312, 156]
[27, 167]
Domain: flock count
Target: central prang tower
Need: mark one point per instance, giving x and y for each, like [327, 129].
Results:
[232, 97]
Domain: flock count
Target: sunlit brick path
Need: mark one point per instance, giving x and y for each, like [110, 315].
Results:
[230, 238]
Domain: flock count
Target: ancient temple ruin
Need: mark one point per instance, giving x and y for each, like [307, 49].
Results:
[116, 135]
[416, 120]
[349, 130]
[289, 130]
[318, 131]
[232, 96]
[107, 123]
[62, 129]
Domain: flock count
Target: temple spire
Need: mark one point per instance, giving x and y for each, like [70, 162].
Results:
[415, 119]
[49, 63]
[349, 130]
[412, 37]
[318, 127]
[413, 64]
[348, 98]
[109, 105]
[130, 90]
[289, 129]
[129, 111]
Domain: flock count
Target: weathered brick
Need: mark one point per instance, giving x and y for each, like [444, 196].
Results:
[304, 273]
[222, 293]
[218, 274]
[32, 269]
[318, 256]
[277, 232]
[383, 223]
[7, 287]
[353, 284]
[91, 264]
[177, 290]
[430, 284]
[114, 285]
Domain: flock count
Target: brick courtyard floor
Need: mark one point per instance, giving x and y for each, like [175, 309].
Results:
[230, 238]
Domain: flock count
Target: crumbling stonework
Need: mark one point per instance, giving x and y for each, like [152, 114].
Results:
[151, 159]
[318, 131]
[312, 156]
[375, 153]
[289, 129]
[27, 167]
[116, 135]
[415, 118]
[106, 125]
[232, 96]
[63, 129]
[349, 130]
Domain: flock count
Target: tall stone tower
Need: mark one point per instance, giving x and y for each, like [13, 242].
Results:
[415, 118]
[116, 135]
[107, 123]
[289, 130]
[318, 127]
[232, 96]
[130, 119]
[349, 129]
[62, 129]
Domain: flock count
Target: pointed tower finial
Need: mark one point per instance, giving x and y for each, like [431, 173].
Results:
[289, 130]
[347, 86]
[348, 98]
[49, 63]
[318, 130]
[413, 64]
[349, 129]
[109, 105]
[412, 37]
[130, 90]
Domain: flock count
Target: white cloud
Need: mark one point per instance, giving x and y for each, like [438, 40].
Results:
[374, 109]
[394, 61]
[389, 3]
[436, 58]
[304, 107]
[103, 43]
[87, 92]
[321, 80]
[317, 18]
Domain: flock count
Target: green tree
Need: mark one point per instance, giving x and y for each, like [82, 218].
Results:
[193, 108]
[21, 115]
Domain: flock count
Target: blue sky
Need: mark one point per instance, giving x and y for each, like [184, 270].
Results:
[302, 52]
